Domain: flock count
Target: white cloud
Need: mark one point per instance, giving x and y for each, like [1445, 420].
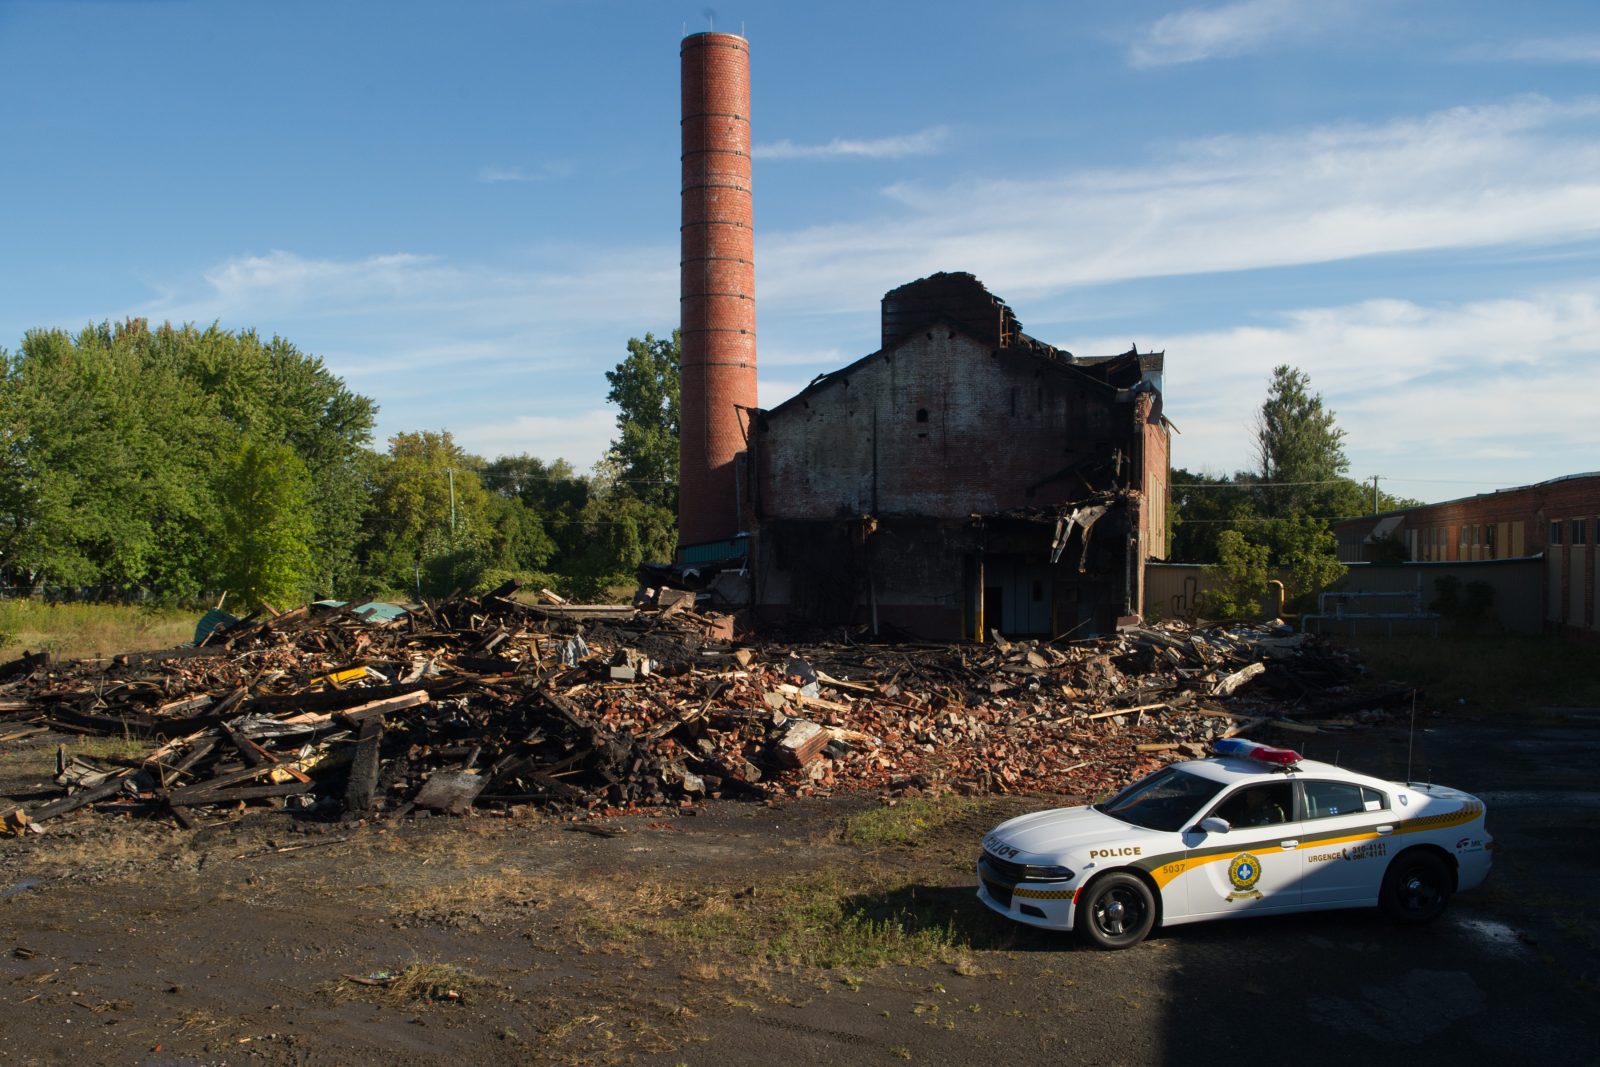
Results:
[580, 438]
[1198, 33]
[508, 358]
[922, 143]
[1424, 392]
[480, 348]
[1527, 170]
[560, 290]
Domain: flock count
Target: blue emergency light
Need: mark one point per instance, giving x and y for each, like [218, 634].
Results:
[1238, 748]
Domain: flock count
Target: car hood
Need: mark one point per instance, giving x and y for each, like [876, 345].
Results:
[1051, 834]
[1438, 803]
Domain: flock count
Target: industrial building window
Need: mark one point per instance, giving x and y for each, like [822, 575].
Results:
[1580, 531]
[1555, 532]
[1488, 539]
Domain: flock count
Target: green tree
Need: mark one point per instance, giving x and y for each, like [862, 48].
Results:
[643, 459]
[110, 446]
[1306, 553]
[1202, 507]
[554, 493]
[1300, 452]
[1240, 574]
[429, 516]
[267, 526]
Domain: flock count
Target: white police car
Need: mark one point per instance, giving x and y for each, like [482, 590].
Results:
[1254, 831]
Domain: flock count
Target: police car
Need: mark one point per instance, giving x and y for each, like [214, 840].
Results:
[1255, 831]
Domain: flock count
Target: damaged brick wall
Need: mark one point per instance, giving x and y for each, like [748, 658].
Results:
[938, 425]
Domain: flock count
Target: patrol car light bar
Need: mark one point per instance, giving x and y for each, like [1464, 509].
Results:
[1239, 748]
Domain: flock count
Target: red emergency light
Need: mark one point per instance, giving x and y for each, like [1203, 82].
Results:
[1239, 748]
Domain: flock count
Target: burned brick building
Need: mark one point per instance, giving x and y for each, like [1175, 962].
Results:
[964, 478]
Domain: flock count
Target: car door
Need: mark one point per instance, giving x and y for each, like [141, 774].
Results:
[1345, 846]
[1255, 866]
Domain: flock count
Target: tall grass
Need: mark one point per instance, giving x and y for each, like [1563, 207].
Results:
[1490, 674]
[85, 631]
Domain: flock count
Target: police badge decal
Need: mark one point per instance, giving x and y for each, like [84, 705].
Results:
[1244, 872]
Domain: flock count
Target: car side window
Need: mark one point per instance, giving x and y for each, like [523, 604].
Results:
[1258, 805]
[1327, 799]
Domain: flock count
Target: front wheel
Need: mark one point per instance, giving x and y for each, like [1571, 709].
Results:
[1117, 912]
[1416, 889]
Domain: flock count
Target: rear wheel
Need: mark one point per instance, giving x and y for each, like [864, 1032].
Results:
[1116, 912]
[1416, 888]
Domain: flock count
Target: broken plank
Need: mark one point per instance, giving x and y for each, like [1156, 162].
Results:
[187, 794]
[1230, 684]
[1293, 727]
[379, 708]
[249, 792]
[77, 800]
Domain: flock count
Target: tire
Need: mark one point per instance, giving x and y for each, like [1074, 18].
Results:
[1118, 911]
[1416, 888]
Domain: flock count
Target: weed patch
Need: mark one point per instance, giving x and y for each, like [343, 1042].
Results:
[907, 822]
[82, 631]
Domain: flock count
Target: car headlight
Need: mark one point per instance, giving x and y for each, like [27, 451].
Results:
[1047, 873]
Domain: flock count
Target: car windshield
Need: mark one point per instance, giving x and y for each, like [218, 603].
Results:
[1165, 800]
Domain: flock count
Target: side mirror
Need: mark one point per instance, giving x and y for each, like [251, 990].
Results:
[1214, 825]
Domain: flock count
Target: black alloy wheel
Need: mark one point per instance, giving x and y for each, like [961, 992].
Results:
[1416, 888]
[1118, 911]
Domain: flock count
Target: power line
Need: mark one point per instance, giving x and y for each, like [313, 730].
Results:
[1259, 485]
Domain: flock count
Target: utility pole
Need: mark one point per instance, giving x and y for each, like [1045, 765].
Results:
[451, 471]
[1374, 494]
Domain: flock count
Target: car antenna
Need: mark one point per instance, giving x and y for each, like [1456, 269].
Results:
[1411, 741]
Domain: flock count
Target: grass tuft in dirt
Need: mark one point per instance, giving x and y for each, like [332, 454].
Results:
[433, 982]
[109, 747]
[906, 822]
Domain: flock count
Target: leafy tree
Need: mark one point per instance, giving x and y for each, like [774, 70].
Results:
[1202, 507]
[1299, 446]
[1306, 552]
[554, 493]
[267, 525]
[111, 441]
[515, 539]
[643, 459]
[429, 513]
[1240, 574]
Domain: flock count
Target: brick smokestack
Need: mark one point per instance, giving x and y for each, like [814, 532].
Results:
[718, 284]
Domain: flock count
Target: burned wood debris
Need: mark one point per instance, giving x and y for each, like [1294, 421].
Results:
[491, 704]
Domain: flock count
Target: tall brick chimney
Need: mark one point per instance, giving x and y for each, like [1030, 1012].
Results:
[718, 284]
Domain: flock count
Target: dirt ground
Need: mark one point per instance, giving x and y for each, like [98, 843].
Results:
[811, 932]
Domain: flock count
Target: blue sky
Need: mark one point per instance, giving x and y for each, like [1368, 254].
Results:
[467, 209]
